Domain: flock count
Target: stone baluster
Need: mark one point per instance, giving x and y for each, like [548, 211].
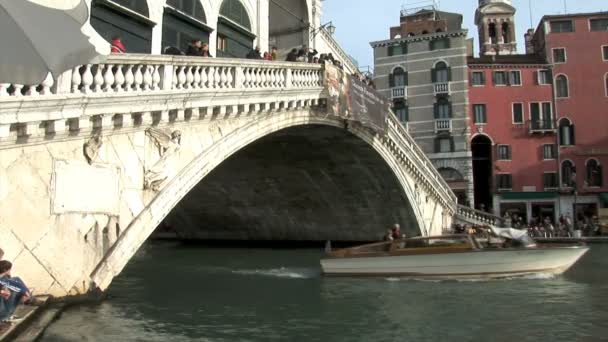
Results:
[189, 77]
[259, 78]
[247, 75]
[217, 78]
[139, 78]
[147, 77]
[87, 79]
[109, 79]
[18, 88]
[211, 77]
[238, 77]
[156, 78]
[223, 78]
[98, 79]
[204, 77]
[4, 89]
[197, 77]
[265, 78]
[174, 77]
[76, 79]
[119, 78]
[281, 77]
[230, 77]
[129, 78]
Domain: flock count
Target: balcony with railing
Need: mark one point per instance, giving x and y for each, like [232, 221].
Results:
[399, 92]
[542, 126]
[442, 88]
[443, 125]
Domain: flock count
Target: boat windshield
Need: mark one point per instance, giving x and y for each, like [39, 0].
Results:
[519, 237]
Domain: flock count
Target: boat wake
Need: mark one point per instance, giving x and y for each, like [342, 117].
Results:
[281, 272]
[533, 276]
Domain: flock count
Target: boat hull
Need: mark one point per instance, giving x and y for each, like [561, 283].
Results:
[487, 263]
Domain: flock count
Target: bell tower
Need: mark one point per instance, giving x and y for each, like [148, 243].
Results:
[495, 20]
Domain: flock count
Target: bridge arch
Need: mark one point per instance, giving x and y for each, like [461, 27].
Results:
[152, 215]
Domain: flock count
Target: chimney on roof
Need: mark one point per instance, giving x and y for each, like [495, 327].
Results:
[528, 37]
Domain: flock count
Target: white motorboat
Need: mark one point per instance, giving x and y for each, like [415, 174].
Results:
[453, 257]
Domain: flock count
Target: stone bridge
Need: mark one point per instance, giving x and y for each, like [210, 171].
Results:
[93, 162]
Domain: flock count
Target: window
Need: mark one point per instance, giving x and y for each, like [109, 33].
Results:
[518, 113]
[561, 26]
[504, 152]
[441, 73]
[444, 145]
[221, 43]
[599, 24]
[398, 78]
[549, 152]
[561, 86]
[401, 111]
[500, 78]
[192, 8]
[479, 114]
[566, 133]
[395, 50]
[594, 173]
[550, 180]
[544, 77]
[478, 78]
[541, 116]
[443, 109]
[605, 52]
[438, 44]
[504, 182]
[568, 174]
[515, 77]
[559, 55]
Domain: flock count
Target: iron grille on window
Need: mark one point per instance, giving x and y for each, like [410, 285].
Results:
[504, 152]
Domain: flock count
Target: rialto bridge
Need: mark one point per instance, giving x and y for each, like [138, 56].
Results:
[93, 162]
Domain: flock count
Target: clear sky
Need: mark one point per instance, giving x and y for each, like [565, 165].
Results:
[359, 22]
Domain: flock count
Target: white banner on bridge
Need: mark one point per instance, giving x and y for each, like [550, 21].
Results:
[82, 188]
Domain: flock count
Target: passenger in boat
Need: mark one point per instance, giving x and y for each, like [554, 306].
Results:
[396, 231]
[389, 235]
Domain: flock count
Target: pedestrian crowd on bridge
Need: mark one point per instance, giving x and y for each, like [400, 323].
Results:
[13, 292]
[198, 48]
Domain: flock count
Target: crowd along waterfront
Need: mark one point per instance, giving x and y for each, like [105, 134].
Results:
[171, 292]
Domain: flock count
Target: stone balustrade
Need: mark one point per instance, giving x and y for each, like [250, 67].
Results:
[474, 216]
[130, 90]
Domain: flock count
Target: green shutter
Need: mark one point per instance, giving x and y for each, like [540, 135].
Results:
[436, 110]
[437, 145]
[406, 79]
[433, 75]
[448, 43]
[572, 135]
[391, 80]
[403, 48]
[449, 74]
[391, 51]
[450, 110]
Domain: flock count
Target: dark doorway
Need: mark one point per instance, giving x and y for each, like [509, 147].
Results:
[134, 26]
[481, 146]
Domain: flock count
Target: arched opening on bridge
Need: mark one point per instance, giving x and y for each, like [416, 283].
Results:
[305, 183]
[183, 21]
[481, 147]
[234, 34]
[289, 25]
[128, 19]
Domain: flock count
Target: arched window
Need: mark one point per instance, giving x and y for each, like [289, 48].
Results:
[234, 10]
[594, 173]
[134, 30]
[566, 133]
[492, 32]
[568, 174]
[505, 32]
[441, 73]
[398, 78]
[443, 109]
[138, 6]
[192, 8]
[561, 86]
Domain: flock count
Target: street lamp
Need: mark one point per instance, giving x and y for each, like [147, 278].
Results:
[329, 27]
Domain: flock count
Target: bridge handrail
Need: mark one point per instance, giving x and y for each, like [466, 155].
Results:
[422, 161]
[142, 72]
[478, 215]
[329, 39]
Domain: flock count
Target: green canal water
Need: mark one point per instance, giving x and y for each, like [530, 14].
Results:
[171, 292]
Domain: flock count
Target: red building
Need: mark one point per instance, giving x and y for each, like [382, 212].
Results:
[528, 158]
[513, 135]
[577, 47]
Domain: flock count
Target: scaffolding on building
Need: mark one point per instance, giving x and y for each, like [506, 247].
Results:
[413, 7]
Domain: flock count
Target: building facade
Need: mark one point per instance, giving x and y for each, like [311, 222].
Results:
[577, 47]
[515, 165]
[422, 68]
